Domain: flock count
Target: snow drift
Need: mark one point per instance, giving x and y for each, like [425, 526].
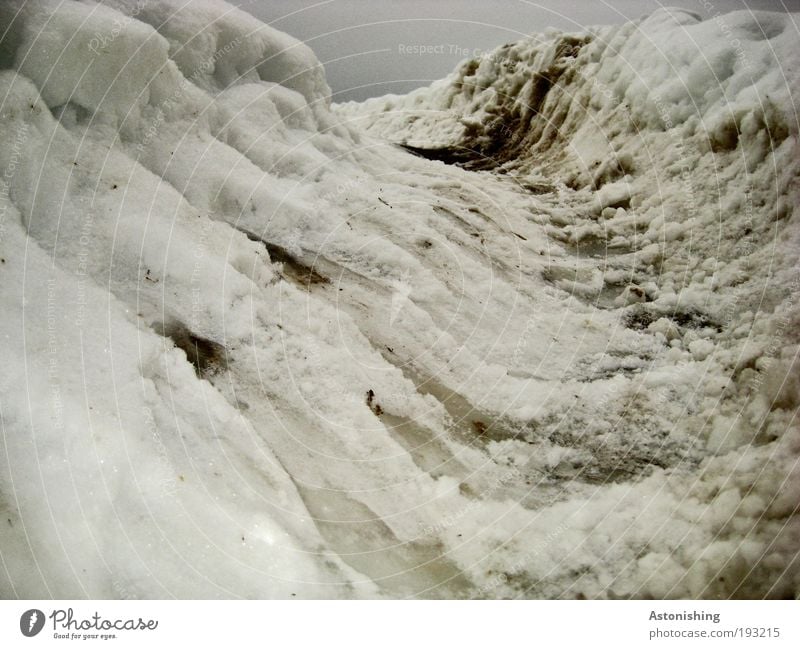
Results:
[254, 351]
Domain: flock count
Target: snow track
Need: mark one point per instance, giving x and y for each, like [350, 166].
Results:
[253, 350]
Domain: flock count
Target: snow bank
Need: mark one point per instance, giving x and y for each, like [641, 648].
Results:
[252, 351]
[673, 141]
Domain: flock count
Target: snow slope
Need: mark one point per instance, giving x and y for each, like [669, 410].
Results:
[255, 351]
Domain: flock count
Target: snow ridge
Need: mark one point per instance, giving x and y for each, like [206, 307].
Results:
[254, 351]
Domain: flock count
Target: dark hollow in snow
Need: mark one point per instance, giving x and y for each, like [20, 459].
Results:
[293, 269]
[207, 356]
[639, 317]
[451, 155]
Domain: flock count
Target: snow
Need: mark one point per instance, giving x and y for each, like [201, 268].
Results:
[254, 349]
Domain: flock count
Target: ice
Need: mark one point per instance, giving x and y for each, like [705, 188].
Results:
[90, 57]
[255, 349]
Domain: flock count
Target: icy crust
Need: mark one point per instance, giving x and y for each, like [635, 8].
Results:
[225, 47]
[664, 156]
[120, 56]
[668, 71]
[252, 352]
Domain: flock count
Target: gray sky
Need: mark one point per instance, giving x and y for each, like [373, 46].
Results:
[363, 43]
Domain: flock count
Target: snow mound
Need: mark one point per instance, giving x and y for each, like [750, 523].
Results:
[253, 351]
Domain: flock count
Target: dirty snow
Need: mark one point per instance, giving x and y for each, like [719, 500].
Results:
[254, 348]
